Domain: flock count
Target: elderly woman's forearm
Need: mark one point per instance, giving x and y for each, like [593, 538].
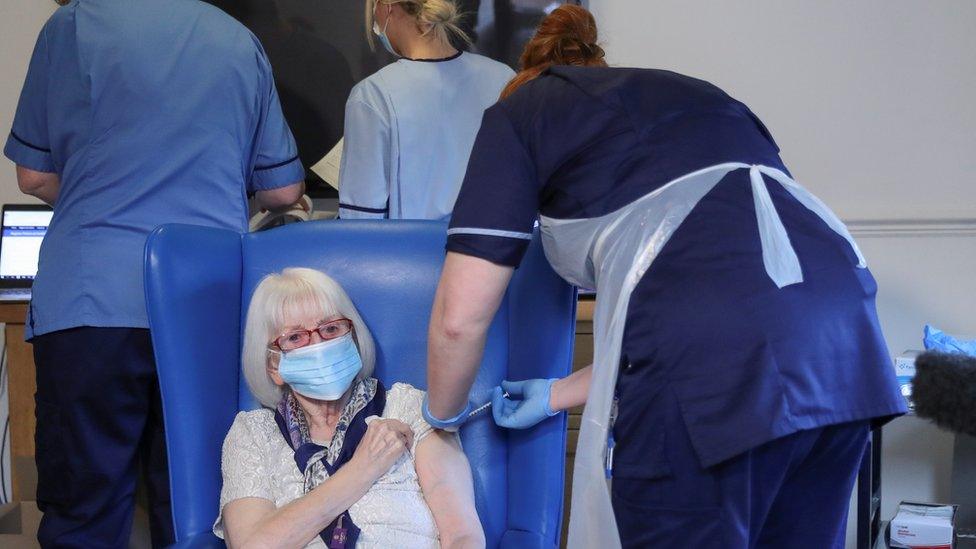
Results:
[299, 522]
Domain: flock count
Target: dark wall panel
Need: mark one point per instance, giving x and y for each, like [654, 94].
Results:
[318, 50]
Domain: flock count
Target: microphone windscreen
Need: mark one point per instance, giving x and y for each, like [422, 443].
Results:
[944, 390]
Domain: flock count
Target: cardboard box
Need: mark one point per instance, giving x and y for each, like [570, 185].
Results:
[18, 525]
[923, 526]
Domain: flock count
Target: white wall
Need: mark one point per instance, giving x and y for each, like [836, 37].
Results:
[874, 106]
[20, 22]
[871, 101]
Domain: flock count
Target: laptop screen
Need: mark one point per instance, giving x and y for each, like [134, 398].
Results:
[23, 231]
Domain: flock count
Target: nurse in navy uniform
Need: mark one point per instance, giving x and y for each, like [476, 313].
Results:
[735, 329]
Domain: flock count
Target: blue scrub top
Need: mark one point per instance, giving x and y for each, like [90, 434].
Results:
[408, 135]
[747, 362]
[150, 113]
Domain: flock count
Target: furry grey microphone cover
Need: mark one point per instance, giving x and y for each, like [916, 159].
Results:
[944, 390]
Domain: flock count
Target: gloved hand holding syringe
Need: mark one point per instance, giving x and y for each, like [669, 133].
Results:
[454, 423]
[523, 404]
[529, 406]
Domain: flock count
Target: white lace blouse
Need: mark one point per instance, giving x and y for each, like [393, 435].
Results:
[258, 463]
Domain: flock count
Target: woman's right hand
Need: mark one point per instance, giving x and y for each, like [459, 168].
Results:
[382, 445]
[522, 404]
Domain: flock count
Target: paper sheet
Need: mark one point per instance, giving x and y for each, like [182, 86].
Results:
[328, 167]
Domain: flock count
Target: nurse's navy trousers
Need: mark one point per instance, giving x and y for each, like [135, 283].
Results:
[99, 421]
[793, 492]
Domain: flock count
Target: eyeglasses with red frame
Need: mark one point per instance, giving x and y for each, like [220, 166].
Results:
[296, 339]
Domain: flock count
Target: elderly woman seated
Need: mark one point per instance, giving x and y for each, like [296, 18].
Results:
[334, 458]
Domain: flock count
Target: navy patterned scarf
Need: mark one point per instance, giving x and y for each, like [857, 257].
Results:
[317, 462]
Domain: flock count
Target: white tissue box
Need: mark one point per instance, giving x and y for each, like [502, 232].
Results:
[923, 526]
[905, 372]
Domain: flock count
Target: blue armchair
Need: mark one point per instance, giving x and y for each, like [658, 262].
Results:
[199, 281]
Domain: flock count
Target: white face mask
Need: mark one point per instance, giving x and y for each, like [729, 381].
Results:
[381, 33]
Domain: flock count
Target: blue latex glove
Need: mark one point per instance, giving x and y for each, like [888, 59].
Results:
[526, 405]
[937, 340]
[450, 425]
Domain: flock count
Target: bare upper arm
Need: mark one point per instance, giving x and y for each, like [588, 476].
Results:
[242, 516]
[445, 479]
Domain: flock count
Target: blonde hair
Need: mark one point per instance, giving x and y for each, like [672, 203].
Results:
[439, 18]
[295, 292]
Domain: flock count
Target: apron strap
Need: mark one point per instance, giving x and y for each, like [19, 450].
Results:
[817, 206]
[779, 257]
[782, 265]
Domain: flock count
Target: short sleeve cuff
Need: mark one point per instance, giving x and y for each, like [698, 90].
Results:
[273, 176]
[501, 250]
[404, 402]
[352, 211]
[28, 155]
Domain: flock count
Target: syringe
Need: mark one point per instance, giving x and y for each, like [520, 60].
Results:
[483, 407]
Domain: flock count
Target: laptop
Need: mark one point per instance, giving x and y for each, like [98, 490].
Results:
[24, 227]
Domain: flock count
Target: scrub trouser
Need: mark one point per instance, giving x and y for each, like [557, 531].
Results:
[793, 492]
[99, 420]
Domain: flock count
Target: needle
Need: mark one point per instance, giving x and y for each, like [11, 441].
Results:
[483, 407]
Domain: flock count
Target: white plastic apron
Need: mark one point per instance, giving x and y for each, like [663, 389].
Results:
[611, 253]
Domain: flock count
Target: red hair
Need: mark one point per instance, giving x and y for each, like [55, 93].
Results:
[567, 36]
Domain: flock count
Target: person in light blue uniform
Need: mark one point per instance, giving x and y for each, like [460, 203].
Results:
[410, 126]
[133, 114]
[735, 323]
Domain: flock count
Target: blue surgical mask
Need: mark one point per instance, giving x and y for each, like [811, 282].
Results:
[323, 371]
[381, 34]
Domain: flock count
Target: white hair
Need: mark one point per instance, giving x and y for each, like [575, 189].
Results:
[294, 293]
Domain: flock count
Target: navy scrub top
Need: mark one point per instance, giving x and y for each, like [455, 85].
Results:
[746, 362]
[150, 113]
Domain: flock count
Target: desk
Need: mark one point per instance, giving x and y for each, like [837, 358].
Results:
[21, 386]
